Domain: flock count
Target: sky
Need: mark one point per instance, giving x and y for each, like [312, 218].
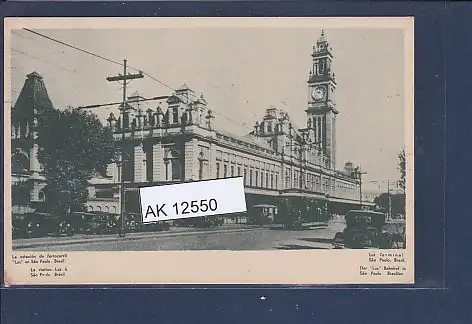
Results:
[241, 72]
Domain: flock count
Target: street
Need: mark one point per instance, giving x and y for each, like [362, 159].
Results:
[237, 238]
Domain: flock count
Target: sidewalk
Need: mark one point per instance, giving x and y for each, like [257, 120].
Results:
[83, 238]
[305, 226]
[315, 240]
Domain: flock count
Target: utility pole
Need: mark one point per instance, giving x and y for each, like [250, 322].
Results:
[359, 173]
[125, 77]
[389, 201]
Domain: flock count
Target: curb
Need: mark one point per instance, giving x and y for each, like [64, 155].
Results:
[126, 238]
[280, 228]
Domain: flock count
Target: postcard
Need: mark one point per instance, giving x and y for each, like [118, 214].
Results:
[209, 151]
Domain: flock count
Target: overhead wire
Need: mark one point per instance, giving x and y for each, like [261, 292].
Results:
[41, 60]
[130, 67]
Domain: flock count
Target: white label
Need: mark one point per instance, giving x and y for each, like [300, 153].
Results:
[193, 199]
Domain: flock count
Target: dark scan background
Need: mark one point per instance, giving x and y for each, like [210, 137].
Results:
[442, 35]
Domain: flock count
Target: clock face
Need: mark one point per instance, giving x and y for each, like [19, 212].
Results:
[318, 93]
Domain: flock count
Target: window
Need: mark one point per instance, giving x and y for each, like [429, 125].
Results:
[250, 177]
[257, 178]
[217, 170]
[149, 163]
[276, 181]
[232, 171]
[323, 133]
[167, 169]
[245, 176]
[267, 180]
[200, 170]
[225, 171]
[175, 115]
[128, 164]
[262, 179]
[272, 181]
[125, 120]
[176, 169]
[269, 127]
[239, 171]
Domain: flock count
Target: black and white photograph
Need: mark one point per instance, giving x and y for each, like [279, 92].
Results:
[315, 118]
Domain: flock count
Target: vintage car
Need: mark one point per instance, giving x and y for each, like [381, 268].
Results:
[133, 223]
[37, 224]
[201, 222]
[92, 223]
[364, 229]
[18, 225]
[294, 220]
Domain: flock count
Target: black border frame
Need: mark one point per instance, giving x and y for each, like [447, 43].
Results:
[440, 28]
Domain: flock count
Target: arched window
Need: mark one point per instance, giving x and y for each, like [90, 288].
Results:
[175, 116]
[89, 208]
[201, 163]
[99, 208]
[125, 120]
[173, 157]
[107, 209]
[20, 162]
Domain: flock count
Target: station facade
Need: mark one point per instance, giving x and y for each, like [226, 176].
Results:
[281, 165]
[284, 167]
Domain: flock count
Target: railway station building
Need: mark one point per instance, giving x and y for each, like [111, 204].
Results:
[176, 140]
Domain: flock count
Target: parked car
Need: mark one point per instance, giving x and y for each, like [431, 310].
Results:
[206, 221]
[92, 223]
[133, 223]
[18, 225]
[37, 224]
[364, 229]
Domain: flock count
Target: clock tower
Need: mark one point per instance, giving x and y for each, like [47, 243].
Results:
[321, 102]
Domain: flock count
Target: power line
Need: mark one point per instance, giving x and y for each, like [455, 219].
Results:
[96, 55]
[119, 103]
[41, 60]
[121, 64]
[74, 47]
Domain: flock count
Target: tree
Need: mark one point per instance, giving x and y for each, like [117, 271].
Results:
[402, 169]
[397, 202]
[74, 146]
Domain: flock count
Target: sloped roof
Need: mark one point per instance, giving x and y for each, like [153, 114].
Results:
[322, 37]
[261, 142]
[184, 87]
[33, 95]
[137, 102]
[248, 138]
